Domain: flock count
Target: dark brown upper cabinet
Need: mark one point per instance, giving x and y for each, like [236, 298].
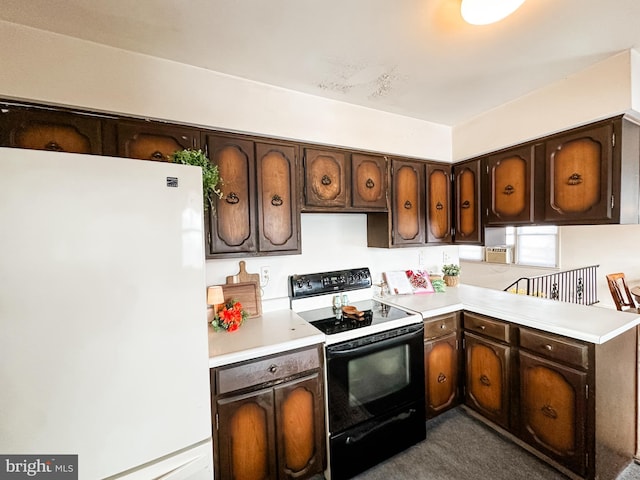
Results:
[407, 210]
[438, 194]
[467, 202]
[258, 213]
[154, 141]
[336, 181]
[56, 131]
[232, 223]
[368, 182]
[325, 180]
[278, 211]
[579, 182]
[510, 187]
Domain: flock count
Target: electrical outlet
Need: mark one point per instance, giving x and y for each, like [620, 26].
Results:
[265, 274]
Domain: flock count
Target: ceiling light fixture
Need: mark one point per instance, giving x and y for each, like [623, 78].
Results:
[484, 12]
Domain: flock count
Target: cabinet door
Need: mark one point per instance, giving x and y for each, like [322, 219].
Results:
[231, 223]
[510, 187]
[325, 179]
[278, 213]
[407, 210]
[466, 179]
[579, 175]
[47, 130]
[487, 378]
[553, 410]
[438, 193]
[368, 182]
[151, 141]
[300, 427]
[441, 360]
[246, 437]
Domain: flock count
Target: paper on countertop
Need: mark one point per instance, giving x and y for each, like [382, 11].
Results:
[398, 282]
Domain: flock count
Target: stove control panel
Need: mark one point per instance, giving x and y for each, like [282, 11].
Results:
[312, 284]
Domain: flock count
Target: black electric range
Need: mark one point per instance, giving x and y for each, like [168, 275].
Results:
[332, 321]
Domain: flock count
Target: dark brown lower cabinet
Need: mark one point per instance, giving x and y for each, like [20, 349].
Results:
[246, 436]
[441, 364]
[487, 388]
[553, 410]
[570, 402]
[299, 410]
[269, 418]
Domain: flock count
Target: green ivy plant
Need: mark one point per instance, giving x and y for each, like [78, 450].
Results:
[451, 269]
[211, 180]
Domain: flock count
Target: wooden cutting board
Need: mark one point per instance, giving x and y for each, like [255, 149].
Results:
[242, 276]
[245, 288]
[247, 293]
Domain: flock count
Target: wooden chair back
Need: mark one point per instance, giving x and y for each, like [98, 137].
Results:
[620, 291]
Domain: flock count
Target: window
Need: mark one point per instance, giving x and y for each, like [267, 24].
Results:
[534, 246]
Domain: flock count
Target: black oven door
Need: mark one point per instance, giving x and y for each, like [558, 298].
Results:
[374, 375]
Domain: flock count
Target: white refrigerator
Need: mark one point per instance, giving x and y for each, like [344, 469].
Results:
[103, 330]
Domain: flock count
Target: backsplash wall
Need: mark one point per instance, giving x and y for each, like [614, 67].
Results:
[330, 242]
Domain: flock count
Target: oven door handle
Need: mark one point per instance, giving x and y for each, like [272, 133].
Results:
[351, 439]
[377, 345]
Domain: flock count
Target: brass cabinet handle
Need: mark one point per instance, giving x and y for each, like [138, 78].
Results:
[508, 190]
[482, 327]
[276, 200]
[548, 347]
[326, 180]
[157, 155]
[439, 206]
[574, 179]
[369, 183]
[549, 411]
[465, 204]
[442, 377]
[485, 380]
[408, 205]
[53, 147]
[232, 198]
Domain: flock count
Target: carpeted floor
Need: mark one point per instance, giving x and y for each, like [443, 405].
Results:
[459, 447]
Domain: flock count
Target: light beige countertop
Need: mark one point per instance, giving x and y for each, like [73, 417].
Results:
[282, 330]
[589, 323]
[272, 332]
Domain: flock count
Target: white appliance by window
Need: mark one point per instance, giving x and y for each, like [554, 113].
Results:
[104, 349]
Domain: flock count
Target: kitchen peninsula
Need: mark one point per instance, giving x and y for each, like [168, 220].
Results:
[566, 372]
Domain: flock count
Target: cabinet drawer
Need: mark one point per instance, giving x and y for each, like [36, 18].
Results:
[556, 348]
[487, 326]
[266, 370]
[440, 326]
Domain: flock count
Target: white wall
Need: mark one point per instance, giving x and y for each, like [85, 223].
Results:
[332, 242]
[51, 68]
[612, 247]
[601, 91]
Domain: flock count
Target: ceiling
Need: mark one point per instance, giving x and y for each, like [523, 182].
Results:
[410, 57]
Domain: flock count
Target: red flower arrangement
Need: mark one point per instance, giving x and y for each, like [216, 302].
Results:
[229, 317]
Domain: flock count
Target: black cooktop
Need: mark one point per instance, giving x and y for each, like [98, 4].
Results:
[330, 321]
